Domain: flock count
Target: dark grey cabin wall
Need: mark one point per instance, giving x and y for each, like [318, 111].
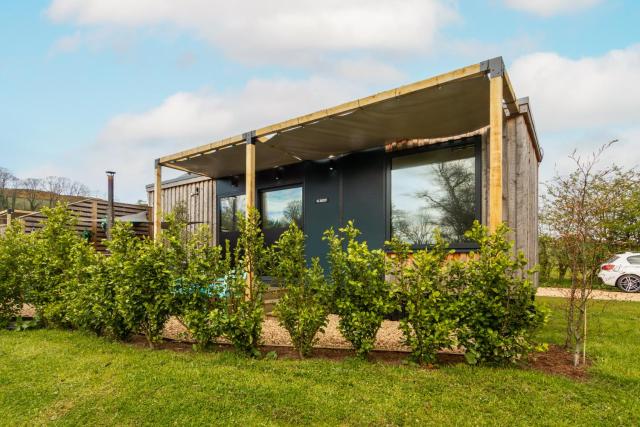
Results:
[353, 190]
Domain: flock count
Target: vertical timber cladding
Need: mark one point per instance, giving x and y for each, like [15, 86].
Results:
[198, 194]
[521, 190]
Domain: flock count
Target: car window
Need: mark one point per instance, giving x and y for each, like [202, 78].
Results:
[634, 260]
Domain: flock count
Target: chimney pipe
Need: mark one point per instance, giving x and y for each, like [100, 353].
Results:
[110, 210]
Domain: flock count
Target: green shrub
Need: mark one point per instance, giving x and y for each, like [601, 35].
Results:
[244, 301]
[498, 315]
[302, 310]
[430, 307]
[362, 295]
[50, 257]
[14, 261]
[199, 289]
[141, 271]
[91, 298]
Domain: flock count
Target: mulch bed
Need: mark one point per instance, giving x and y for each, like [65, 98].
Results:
[558, 361]
[555, 361]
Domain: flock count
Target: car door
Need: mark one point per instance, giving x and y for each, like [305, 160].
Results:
[634, 265]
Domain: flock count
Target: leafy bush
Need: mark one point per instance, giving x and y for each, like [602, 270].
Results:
[144, 282]
[302, 310]
[92, 294]
[244, 301]
[14, 260]
[430, 306]
[498, 314]
[199, 289]
[362, 295]
[50, 257]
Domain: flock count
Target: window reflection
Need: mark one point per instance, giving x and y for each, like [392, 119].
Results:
[433, 189]
[231, 209]
[281, 207]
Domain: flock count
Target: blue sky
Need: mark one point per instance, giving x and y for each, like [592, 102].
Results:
[90, 85]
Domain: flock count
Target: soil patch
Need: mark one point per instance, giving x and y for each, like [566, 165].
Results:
[558, 361]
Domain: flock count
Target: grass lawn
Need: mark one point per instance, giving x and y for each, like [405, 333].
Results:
[70, 378]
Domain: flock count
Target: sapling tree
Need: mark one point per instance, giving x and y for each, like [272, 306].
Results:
[362, 295]
[303, 309]
[592, 213]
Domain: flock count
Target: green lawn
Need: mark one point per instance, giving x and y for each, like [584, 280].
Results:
[71, 378]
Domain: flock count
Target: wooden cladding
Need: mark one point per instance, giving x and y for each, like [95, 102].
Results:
[91, 213]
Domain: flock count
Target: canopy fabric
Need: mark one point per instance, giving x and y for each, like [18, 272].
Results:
[440, 111]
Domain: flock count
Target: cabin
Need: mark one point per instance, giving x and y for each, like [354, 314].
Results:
[441, 152]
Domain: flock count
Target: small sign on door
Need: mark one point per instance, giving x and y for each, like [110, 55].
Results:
[322, 200]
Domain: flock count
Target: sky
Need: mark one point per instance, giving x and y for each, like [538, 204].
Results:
[94, 85]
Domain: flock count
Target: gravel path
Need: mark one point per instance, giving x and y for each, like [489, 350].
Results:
[595, 294]
[389, 336]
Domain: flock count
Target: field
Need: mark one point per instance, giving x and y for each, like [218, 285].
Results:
[71, 378]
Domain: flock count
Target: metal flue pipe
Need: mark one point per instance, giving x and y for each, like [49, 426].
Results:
[110, 210]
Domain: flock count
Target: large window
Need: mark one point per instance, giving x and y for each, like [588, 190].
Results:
[433, 189]
[281, 207]
[231, 209]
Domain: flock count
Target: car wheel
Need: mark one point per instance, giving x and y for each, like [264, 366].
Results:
[629, 283]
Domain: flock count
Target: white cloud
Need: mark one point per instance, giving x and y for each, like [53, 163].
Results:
[582, 104]
[551, 7]
[130, 142]
[291, 31]
[585, 93]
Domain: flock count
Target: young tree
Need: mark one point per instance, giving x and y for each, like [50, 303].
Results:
[582, 211]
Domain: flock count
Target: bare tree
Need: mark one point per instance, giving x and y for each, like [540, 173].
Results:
[6, 178]
[578, 214]
[33, 188]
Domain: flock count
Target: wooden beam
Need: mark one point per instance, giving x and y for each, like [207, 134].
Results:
[157, 202]
[94, 221]
[510, 99]
[470, 71]
[250, 176]
[250, 194]
[495, 152]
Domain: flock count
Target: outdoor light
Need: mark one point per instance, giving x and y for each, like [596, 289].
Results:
[332, 164]
[235, 180]
[279, 172]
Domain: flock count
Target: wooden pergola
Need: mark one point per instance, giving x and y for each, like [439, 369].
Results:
[449, 104]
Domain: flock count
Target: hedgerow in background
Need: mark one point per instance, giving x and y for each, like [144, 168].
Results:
[14, 260]
[303, 309]
[244, 302]
[429, 303]
[50, 258]
[144, 282]
[498, 315]
[362, 295]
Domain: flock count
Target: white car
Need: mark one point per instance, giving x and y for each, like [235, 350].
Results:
[623, 271]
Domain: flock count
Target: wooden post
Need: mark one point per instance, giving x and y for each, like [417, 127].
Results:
[250, 195]
[157, 202]
[94, 221]
[495, 151]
